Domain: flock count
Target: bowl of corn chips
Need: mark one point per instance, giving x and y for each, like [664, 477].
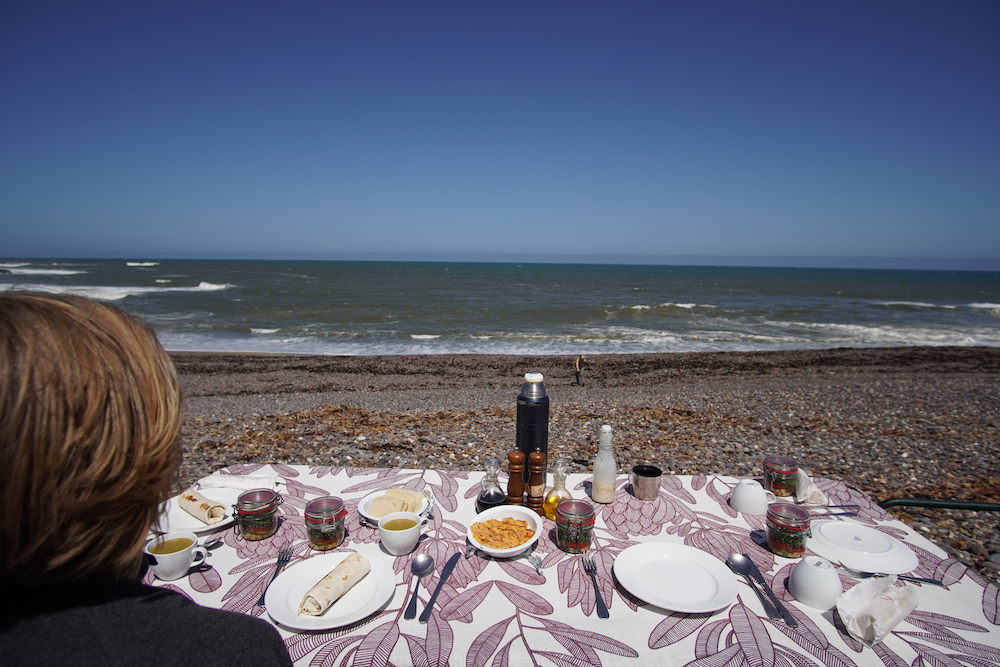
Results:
[376, 505]
[505, 531]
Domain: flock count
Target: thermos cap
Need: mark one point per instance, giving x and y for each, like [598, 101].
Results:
[606, 428]
[533, 377]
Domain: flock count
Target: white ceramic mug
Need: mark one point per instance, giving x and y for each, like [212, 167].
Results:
[400, 541]
[749, 497]
[182, 552]
[645, 482]
[815, 582]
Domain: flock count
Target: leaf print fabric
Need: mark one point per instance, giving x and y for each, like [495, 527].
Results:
[497, 612]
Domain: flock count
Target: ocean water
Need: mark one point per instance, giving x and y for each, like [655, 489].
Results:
[365, 308]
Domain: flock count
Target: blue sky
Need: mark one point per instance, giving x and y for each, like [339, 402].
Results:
[847, 129]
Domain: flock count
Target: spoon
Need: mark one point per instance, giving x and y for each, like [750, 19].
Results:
[739, 565]
[744, 563]
[213, 543]
[421, 566]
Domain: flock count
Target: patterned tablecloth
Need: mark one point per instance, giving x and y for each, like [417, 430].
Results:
[493, 612]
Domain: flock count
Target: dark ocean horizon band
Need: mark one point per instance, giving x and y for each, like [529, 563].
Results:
[367, 308]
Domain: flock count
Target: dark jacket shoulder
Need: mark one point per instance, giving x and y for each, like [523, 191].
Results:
[128, 624]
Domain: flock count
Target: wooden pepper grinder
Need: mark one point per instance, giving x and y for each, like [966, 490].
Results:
[536, 482]
[515, 485]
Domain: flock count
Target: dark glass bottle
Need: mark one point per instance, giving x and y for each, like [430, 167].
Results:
[490, 494]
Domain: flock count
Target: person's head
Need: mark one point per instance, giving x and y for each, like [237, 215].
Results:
[89, 418]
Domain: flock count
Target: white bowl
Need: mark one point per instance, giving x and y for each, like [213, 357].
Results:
[367, 501]
[749, 497]
[503, 512]
[815, 582]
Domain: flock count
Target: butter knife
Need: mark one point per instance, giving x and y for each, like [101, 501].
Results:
[785, 614]
[445, 573]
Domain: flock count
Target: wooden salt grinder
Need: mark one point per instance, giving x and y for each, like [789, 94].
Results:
[536, 482]
[515, 485]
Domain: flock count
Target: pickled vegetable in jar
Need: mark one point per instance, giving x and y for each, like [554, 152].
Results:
[574, 526]
[256, 514]
[324, 519]
[780, 473]
[787, 530]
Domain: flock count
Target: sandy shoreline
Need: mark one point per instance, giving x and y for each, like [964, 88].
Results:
[892, 421]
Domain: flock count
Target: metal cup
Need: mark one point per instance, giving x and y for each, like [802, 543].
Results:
[645, 482]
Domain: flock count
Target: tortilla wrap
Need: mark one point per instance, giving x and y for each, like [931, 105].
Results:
[333, 586]
[201, 507]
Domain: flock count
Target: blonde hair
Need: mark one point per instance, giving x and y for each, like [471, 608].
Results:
[89, 416]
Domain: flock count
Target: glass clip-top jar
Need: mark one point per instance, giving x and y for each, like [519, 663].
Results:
[325, 522]
[574, 526]
[780, 473]
[256, 513]
[787, 530]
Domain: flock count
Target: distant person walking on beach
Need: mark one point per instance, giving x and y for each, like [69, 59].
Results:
[581, 362]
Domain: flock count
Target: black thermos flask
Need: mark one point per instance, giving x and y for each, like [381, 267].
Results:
[533, 418]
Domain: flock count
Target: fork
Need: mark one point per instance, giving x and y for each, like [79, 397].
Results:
[284, 556]
[590, 567]
[535, 561]
[868, 575]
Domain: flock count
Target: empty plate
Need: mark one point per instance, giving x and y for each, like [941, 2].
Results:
[676, 577]
[861, 547]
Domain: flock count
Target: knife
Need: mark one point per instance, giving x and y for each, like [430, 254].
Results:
[785, 614]
[831, 507]
[445, 573]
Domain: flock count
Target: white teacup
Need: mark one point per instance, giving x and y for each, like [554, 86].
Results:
[400, 532]
[815, 582]
[170, 556]
[749, 497]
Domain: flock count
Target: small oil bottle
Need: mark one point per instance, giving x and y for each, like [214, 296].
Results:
[558, 492]
[490, 494]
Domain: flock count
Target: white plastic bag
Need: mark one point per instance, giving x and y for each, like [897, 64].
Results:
[806, 491]
[874, 607]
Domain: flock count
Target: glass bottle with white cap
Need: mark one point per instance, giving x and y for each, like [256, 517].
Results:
[605, 469]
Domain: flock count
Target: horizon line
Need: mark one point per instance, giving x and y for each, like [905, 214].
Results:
[990, 264]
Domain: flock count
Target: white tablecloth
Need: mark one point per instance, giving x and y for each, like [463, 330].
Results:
[494, 612]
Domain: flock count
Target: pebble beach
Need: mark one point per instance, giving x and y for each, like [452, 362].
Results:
[919, 422]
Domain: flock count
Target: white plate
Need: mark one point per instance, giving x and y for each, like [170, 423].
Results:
[676, 577]
[173, 518]
[368, 595]
[860, 547]
[366, 502]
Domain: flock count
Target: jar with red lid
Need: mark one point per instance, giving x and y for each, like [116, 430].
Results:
[256, 513]
[787, 530]
[325, 522]
[780, 473]
[574, 526]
